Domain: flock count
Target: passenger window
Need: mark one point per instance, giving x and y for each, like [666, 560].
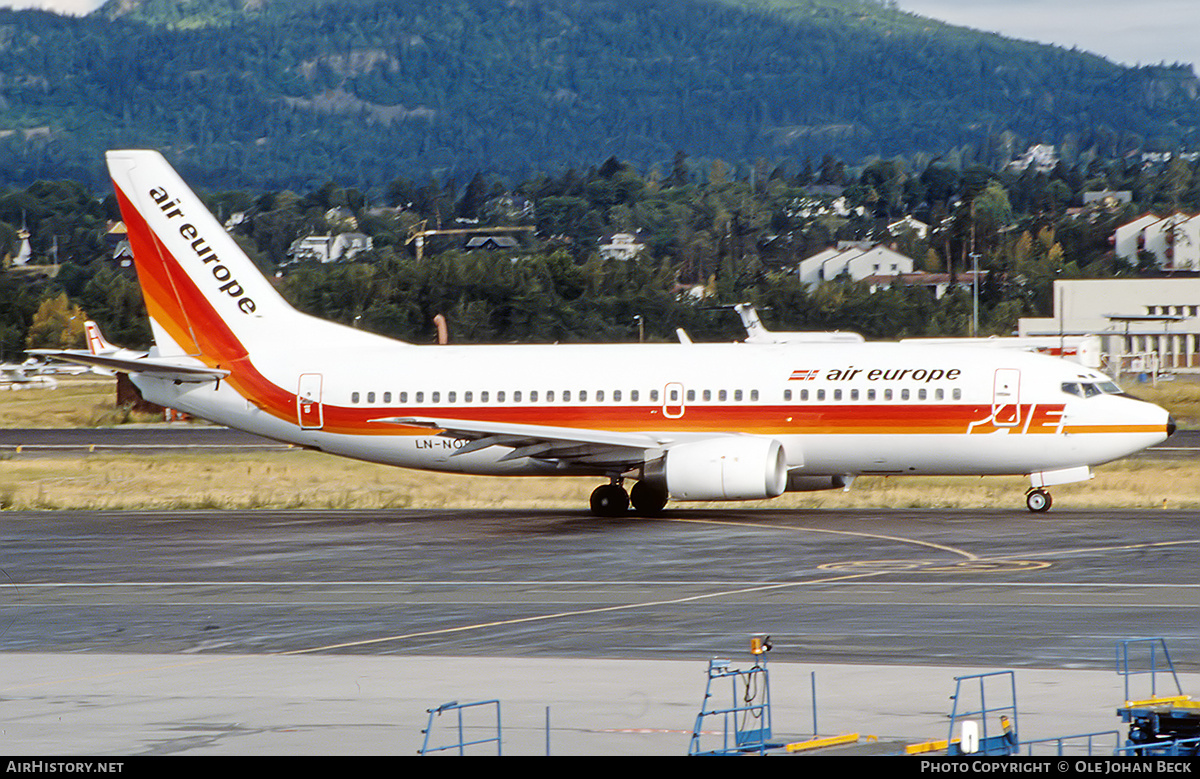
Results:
[353, 397]
[633, 395]
[921, 394]
[599, 396]
[370, 397]
[887, 394]
[804, 394]
[854, 394]
[787, 395]
[517, 396]
[582, 396]
[483, 396]
[820, 394]
[737, 396]
[387, 397]
[691, 395]
[958, 393]
[500, 396]
[451, 396]
[870, 394]
[939, 394]
[722, 396]
[904, 394]
[403, 397]
[674, 395]
[533, 396]
[468, 396]
[837, 394]
[436, 398]
[420, 397]
[753, 395]
[566, 396]
[549, 396]
[653, 396]
[616, 396]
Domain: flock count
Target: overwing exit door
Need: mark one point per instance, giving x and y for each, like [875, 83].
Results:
[308, 402]
[1006, 398]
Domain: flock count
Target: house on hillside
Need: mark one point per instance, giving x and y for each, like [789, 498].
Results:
[909, 225]
[330, 248]
[1043, 157]
[620, 246]
[1173, 240]
[854, 261]
[491, 243]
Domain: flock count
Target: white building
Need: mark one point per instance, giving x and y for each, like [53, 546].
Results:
[909, 225]
[854, 262]
[621, 246]
[1043, 157]
[1173, 240]
[330, 248]
[1144, 324]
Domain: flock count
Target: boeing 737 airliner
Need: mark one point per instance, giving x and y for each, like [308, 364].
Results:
[689, 422]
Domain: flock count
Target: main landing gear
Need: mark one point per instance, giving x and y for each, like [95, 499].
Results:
[611, 500]
[1038, 500]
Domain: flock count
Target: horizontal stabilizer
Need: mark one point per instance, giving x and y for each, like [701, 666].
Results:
[163, 369]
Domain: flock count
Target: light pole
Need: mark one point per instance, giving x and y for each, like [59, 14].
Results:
[975, 294]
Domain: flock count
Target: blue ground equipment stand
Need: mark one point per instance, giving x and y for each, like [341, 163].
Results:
[976, 738]
[746, 721]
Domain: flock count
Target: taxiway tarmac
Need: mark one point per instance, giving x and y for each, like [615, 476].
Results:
[278, 631]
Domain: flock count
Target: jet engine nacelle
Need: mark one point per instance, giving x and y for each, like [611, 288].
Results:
[727, 468]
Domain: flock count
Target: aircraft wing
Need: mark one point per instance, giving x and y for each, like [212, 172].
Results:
[568, 445]
[164, 369]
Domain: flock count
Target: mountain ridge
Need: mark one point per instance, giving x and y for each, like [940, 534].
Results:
[262, 93]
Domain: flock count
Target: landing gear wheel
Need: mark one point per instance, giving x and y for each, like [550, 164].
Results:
[610, 500]
[1038, 501]
[647, 499]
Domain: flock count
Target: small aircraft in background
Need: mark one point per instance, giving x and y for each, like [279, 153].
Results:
[26, 375]
[756, 333]
[98, 347]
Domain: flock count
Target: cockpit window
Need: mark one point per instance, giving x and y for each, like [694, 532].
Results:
[1090, 390]
[1071, 388]
[1109, 387]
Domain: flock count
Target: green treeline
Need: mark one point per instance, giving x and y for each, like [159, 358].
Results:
[288, 95]
[709, 238]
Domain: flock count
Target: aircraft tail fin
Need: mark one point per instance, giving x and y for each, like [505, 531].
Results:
[205, 298]
[95, 339]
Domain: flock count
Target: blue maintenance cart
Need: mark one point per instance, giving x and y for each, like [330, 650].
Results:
[1161, 724]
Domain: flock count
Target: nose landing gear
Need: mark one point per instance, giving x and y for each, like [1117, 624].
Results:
[1038, 500]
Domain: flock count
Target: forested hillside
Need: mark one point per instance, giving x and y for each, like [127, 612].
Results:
[272, 94]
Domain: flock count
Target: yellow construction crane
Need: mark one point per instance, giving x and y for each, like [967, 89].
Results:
[418, 232]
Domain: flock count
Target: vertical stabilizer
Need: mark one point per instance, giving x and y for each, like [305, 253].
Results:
[204, 296]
